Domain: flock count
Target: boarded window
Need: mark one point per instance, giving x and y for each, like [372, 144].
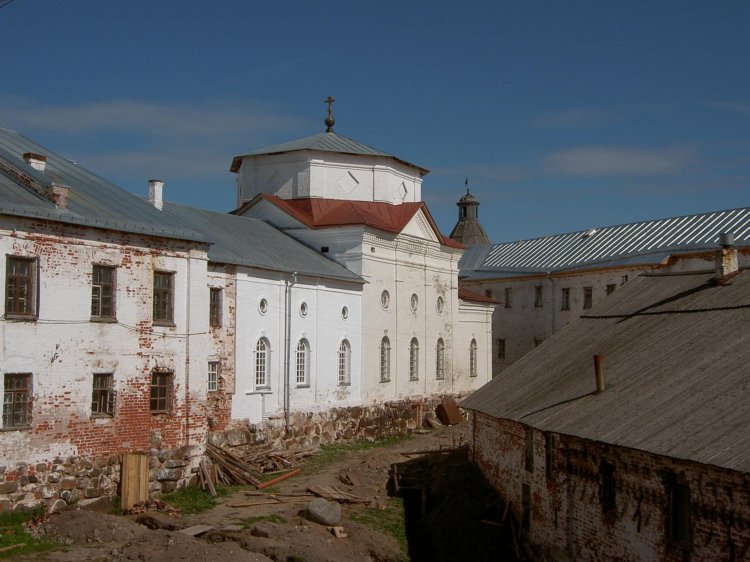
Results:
[161, 392]
[213, 376]
[17, 400]
[103, 292]
[214, 307]
[163, 297]
[20, 287]
[102, 395]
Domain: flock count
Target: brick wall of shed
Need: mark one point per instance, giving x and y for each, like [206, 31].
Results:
[567, 518]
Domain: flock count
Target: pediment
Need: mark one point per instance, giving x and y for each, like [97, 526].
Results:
[420, 227]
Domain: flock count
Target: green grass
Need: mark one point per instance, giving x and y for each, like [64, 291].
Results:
[250, 521]
[191, 499]
[13, 531]
[330, 453]
[391, 521]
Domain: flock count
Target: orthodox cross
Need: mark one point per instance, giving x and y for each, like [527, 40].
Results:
[329, 121]
[466, 185]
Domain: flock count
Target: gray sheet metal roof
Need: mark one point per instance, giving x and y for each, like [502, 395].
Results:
[608, 245]
[252, 242]
[324, 142]
[676, 349]
[93, 201]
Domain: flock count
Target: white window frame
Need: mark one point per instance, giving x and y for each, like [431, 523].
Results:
[473, 358]
[414, 360]
[345, 363]
[213, 376]
[440, 360]
[262, 363]
[302, 363]
[385, 359]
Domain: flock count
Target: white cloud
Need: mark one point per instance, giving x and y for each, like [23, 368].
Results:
[599, 161]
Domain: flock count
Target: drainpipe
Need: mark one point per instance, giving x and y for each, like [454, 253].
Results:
[187, 353]
[287, 344]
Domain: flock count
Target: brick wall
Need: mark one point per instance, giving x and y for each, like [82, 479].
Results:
[567, 517]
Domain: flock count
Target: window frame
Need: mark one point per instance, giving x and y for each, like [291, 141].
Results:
[538, 296]
[385, 359]
[414, 360]
[440, 360]
[565, 298]
[32, 284]
[501, 348]
[162, 383]
[345, 363]
[8, 418]
[212, 380]
[303, 367]
[262, 364]
[165, 296]
[215, 306]
[103, 396]
[610, 288]
[508, 294]
[588, 297]
[96, 301]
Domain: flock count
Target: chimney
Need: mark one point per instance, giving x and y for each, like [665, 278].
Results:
[599, 372]
[155, 189]
[60, 195]
[726, 256]
[36, 161]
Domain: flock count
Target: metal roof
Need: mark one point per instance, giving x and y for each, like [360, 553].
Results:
[93, 201]
[324, 142]
[636, 242]
[676, 351]
[253, 242]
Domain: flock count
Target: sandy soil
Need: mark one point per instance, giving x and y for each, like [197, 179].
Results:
[89, 535]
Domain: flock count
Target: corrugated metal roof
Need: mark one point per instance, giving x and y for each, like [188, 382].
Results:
[599, 246]
[676, 351]
[253, 242]
[93, 201]
[324, 142]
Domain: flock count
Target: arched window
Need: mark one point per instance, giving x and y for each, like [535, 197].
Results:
[345, 362]
[473, 358]
[414, 360]
[262, 363]
[385, 360]
[440, 360]
[303, 352]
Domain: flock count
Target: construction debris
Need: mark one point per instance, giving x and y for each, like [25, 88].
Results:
[448, 413]
[333, 493]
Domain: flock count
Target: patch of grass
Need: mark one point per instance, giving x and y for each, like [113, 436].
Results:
[250, 521]
[191, 499]
[391, 521]
[13, 531]
[330, 453]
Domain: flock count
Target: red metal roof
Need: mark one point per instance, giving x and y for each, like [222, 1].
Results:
[325, 213]
[467, 295]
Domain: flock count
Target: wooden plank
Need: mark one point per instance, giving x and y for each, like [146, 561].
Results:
[196, 530]
[134, 479]
[207, 478]
[279, 479]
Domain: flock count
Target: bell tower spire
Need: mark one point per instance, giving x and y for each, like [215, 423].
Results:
[468, 229]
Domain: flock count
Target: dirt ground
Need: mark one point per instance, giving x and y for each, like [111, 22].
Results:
[281, 532]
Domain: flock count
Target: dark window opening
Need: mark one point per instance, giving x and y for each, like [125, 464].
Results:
[102, 396]
[215, 307]
[163, 297]
[677, 520]
[565, 302]
[550, 454]
[611, 288]
[161, 392]
[538, 296]
[500, 348]
[526, 506]
[529, 456]
[588, 297]
[607, 486]
[508, 297]
[323, 249]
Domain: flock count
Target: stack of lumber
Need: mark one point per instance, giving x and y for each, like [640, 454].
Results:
[231, 469]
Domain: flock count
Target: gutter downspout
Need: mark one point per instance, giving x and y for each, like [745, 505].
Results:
[287, 345]
[187, 353]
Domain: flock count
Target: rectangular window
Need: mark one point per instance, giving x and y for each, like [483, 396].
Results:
[163, 297]
[565, 299]
[500, 343]
[588, 297]
[611, 288]
[677, 522]
[550, 454]
[624, 280]
[538, 296]
[213, 376]
[525, 506]
[214, 313]
[102, 396]
[161, 392]
[20, 287]
[607, 487]
[16, 400]
[103, 292]
[508, 297]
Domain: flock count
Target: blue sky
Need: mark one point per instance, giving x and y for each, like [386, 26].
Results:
[563, 115]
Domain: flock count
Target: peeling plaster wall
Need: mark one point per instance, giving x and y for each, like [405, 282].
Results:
[63, 348]
[567, 518]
